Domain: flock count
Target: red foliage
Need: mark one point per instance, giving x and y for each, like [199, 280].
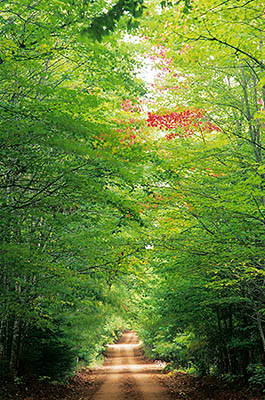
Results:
[160, 55]
[189, 121]
[127, 105]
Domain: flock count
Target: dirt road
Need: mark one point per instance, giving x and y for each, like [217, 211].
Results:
[126, 374]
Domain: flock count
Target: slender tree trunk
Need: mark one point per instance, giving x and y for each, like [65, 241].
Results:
[2, 344]
[261, 333]
[15, 343]
[254, 130]
[16, 346]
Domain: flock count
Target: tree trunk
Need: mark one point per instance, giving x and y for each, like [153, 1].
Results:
[262, 336]
[15, 348]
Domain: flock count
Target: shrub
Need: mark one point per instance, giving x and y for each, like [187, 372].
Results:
[257, 376]
[46, 353]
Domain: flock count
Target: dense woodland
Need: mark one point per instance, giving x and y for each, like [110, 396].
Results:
[127, 201]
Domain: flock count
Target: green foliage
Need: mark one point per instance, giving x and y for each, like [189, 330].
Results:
[257, 376]
[65, 192]
[207, 197]
[54, 354]
[47, 353]
[107, 21]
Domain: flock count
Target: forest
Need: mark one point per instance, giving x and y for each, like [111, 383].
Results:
[132, 182]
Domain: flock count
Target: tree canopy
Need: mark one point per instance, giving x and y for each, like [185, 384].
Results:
[132, 203]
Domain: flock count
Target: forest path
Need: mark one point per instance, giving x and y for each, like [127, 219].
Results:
[126, 375]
